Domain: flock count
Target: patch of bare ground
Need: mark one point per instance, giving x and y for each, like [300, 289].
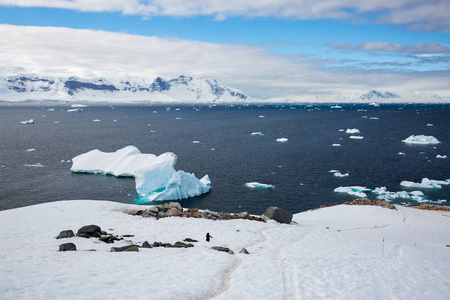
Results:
[365, 201]
[432, 207]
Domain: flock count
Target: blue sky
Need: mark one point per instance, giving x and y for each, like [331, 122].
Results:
[286, 48]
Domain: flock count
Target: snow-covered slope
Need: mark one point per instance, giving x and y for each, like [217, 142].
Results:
[341, 252]
[183, 88]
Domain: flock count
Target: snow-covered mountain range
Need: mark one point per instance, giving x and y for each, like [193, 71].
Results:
[185, 89]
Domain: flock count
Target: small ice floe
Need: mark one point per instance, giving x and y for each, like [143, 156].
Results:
[341, 130]
[31, 150]
[339, 174]
[374, 118]
[30, 121]
[352, 131]
[430, 125]
[441, 156]
[421, 140]
[336, 145]
[177, 118]
[96, 120]
[262, 116]
[425, 184]
[357, 191]
[257, 185]
[51, 109]
[401, 153]
[374, 104]
[196, 142]
[282, 140]
[75, 110]
[335, 106]
[384, 194]
[55, 122]
[333, 171]
[257, 133]
[78, 105]
[34, 165]
[356, 137]
[364, 117]
[213, 149]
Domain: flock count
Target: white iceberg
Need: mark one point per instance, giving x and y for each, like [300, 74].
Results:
[282, 140]
[257, 185]
[30, 121]
[352, 131]
[155, 176]
[257, 133]
[356, 137]
[339, 174]
[384, 194]
[357, 191]
[336, 145]
[441, 156]
[31, 150]
[421, 140]
[425, 184]
[75, 110]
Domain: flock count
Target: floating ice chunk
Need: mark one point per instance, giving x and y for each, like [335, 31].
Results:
[31, 150]
[341, 130]
[356, 137]
[196, 142]
[421, 140]
[51, 109]
[75, 110]
[78, 105]
[384, 194]
[155, 176]
[357, 191]
[430, 125]
[333, 171]
[364, 117]
[282, 140]
[96, 120]
[34, 165]
[262, 116]
[257, 185]
[441, 156]
[30, 121]
[55, 122]
[374, 118]
[401, 153]
[352, 131]
[336, 106]
[177, 118]
[336, 145]
[257, 133]
[425, 184]
[339, 174]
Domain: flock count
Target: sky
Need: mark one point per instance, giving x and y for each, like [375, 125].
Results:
[267, 48]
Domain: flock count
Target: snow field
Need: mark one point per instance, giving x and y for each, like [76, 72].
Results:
[334, 253]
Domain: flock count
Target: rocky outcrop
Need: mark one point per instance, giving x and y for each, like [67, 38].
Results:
[365, 201]
[65, 234]
[67, 247]
[89, 231]
[278, 214]
[127, 248]
[223, 249]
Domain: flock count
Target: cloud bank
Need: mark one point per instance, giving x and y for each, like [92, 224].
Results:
[55, 51]
[426, 15]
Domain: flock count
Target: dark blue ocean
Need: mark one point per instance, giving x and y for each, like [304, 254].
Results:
[227, 152]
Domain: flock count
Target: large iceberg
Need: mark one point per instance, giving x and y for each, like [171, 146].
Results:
[425, 184]
[357, 191]
[155, 176]
[421, 140]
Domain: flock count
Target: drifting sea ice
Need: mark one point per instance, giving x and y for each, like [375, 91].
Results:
[155, 176]
[356, 137]
[75, 110]
[257, 185]
[282, 140]
[257, 133]
[441, 156]
[30, 121]
[425, 184]
[357, 191]
[384, 194]
[336, 145]
[421, 140]
[31, 150]
[352, 131]
[339, 174]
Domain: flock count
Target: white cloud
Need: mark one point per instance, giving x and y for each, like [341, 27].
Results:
[254, 70]
[429, 15]
[418, 48]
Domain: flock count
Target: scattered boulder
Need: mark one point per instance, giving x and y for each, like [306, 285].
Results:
[89, 231]
[65, 234]
[243, 250]
[365, 201]
[127, 248]
[109, 239]
[146, 245]
[211, 215]
[182, 245]
[223, 249]
[67, 247]
[278, 214]
[189, 240]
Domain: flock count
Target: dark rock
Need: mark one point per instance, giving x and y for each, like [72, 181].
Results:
[89, 231]
[146, 245]
[365, 201]
[182, 245]
[67, 247]
[189, 240]
[278, 214]
[65, 234]
[211, 215]
[127, 248]
[243, 250]
[109, 239]
[222, 249]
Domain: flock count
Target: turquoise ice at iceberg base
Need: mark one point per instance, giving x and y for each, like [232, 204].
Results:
[155, 176]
